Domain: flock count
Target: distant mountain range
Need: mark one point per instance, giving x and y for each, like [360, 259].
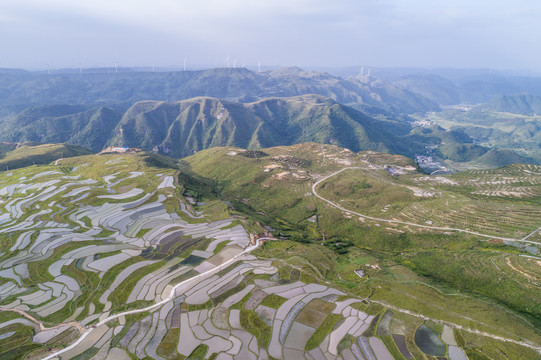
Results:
[19, 90]
[471, 89]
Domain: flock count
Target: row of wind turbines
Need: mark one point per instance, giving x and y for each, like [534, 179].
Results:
[230, 64]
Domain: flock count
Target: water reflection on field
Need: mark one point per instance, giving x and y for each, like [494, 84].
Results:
[428, 341]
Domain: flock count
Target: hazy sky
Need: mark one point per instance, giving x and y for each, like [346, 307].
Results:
[423, 33]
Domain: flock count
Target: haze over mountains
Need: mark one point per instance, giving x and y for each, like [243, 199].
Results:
[21, 89]
[179, 113]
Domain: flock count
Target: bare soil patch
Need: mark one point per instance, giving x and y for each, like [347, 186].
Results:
[255, 299]
[126, 188]
[314, 313]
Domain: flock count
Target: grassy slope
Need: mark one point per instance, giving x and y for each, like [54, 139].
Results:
[284, 205]
[26, 155]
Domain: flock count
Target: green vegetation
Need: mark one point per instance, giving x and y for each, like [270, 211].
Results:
[87, 354]
[461, 152]
[474, 354]
[256, 326]
[274, 301]
[239, 305]
[205, 305]
[479, 284]
[199, 353]
[481, 348]
[473, 271]
[326, 327]
[120, 295]
[346, 343]
[19, 344]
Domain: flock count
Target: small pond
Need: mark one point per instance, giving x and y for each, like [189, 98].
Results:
[428, 341]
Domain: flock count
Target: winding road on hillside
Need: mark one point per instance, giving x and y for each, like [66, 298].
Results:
[474, 331]
[158, 304]
[314, 186]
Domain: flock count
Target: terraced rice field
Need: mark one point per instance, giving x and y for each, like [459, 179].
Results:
[83, 244]
[80, 244]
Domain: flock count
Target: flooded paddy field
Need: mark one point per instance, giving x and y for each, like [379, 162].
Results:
[429, 342]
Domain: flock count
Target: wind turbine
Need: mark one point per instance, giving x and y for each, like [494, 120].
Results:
[362, 70]
[185, 59]
[49, 69]
[258, 65]
[153, 67]
[228, 61]
[116, 67]
[235, 64]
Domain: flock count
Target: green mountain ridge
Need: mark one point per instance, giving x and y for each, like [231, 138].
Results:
[179, 129]
[182, 128]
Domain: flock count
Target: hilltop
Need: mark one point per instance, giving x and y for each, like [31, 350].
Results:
[17, 155]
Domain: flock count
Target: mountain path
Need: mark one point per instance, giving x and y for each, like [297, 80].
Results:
[40, 324]
[524, 239]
